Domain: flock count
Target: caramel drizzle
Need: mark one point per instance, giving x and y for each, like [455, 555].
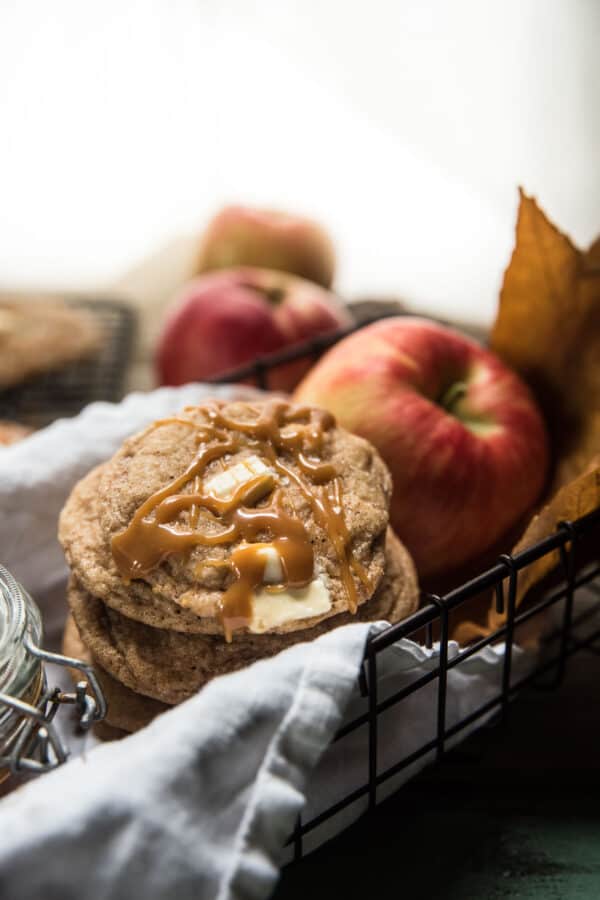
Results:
[328, 512]
[152, 534]
[288, 537]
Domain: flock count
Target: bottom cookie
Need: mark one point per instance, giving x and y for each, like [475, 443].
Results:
[106, 732]
[127, 711]
[136, 654]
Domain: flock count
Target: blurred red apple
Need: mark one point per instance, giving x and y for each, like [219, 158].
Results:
[460, 432]
[222, 320]
[241, 236]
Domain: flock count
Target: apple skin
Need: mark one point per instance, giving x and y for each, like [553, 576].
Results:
[223, 320]
[242, 236]
[463, 475]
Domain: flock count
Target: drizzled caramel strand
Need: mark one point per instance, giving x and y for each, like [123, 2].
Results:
[156, 531]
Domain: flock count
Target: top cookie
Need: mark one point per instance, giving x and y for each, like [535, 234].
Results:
[39, 335]
[263, 517]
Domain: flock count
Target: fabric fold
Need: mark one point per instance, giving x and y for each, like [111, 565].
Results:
[198, 804]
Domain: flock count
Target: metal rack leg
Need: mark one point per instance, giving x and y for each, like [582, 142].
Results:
[297, 837]
[372, 670]
[568, 560]
[510, 630]
[442, 676]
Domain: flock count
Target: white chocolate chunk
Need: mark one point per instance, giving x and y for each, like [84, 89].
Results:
[273, 572]
[271, 609]
[224, 484]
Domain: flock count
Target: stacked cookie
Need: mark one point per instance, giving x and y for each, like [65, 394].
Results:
[221, 536]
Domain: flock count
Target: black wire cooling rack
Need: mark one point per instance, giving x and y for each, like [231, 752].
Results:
[577, 545]
[65, 391]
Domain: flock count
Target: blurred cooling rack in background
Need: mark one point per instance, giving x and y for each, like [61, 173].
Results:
[124, 360]
[64, 392]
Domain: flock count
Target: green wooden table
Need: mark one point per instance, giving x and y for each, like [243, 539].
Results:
[514, 813]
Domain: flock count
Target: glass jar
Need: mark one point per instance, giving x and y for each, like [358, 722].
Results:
[28, 739]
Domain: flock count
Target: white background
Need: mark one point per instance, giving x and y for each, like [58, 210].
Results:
[405, 127]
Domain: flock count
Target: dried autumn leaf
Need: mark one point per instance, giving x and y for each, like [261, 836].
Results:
[574, 500]
[548, 329]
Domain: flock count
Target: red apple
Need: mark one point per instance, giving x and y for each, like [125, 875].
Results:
[241, 236]
[460, 432]
[222, 320]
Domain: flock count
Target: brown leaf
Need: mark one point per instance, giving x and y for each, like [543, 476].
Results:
[578, 498]
[548, 329]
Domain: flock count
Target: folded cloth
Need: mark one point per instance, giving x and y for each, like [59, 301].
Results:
[197, 805]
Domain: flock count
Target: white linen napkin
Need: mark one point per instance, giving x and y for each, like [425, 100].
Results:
[199, 803]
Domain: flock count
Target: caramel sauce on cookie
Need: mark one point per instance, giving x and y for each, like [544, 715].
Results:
[281, 433]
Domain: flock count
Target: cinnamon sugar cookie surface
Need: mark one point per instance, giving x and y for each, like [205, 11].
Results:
[258, 517]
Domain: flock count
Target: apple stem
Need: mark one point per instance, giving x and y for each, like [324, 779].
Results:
[274, 295]
[453, 395]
